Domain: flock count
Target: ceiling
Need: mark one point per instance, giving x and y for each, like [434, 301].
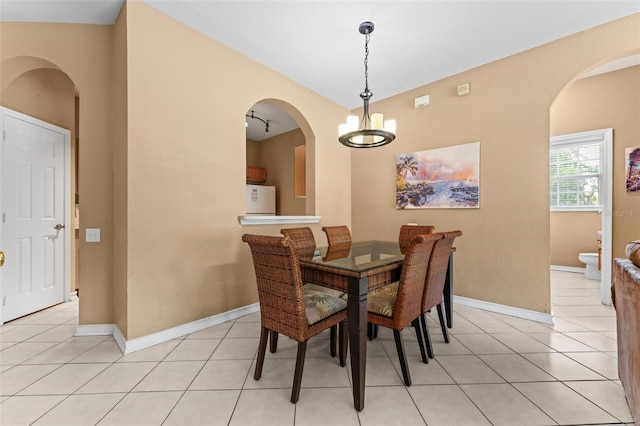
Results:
[317, 43]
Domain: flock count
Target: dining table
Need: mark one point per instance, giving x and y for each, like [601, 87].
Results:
[356, 269]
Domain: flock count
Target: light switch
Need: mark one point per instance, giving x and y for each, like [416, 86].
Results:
[92, 235]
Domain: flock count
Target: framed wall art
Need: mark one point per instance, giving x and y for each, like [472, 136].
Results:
[439, 178]
[633, 169]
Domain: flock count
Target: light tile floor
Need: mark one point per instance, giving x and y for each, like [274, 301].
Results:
[497, 370]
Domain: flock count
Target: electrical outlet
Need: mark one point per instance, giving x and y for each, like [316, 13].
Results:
[92, 235]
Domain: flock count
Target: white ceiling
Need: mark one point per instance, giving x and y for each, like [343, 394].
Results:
[317, 43]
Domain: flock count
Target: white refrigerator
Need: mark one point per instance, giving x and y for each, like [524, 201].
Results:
[261, 200]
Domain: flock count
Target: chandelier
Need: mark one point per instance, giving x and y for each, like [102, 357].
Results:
[371, 131]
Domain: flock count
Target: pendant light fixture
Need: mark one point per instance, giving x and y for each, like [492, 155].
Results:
[371, 131]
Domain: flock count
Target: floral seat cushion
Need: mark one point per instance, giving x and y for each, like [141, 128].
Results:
[382, 300]
[322, 302]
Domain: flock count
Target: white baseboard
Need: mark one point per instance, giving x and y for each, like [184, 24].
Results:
[128, 346]
[504, 309]
[95, 330]
[567, 269]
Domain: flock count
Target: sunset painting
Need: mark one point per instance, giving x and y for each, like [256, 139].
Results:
[439, 178]
[633, 169]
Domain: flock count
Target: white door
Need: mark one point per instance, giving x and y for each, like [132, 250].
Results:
[33, 235]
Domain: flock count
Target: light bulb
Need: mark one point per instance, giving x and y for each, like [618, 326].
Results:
[390, 126]
[376, 121]
[352, 123]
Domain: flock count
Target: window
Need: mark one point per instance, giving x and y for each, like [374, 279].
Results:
[575, 174]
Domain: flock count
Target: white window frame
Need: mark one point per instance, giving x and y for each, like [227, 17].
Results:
[576, 139]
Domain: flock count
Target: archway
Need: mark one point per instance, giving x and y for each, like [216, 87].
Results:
[598, 98]
[40, 90]
[283, 148]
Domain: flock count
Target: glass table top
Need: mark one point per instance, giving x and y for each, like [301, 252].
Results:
[357, 256]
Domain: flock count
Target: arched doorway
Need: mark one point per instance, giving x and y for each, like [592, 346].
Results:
[40, 98]
[598, 99]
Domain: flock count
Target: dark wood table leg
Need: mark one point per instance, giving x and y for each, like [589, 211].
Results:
[448, 292]
[357, 320]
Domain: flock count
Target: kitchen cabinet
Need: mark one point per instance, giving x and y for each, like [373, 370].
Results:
[256, 174]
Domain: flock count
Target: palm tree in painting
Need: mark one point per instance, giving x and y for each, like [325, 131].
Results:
[407, 165]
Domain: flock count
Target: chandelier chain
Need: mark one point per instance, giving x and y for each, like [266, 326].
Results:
[366, 62]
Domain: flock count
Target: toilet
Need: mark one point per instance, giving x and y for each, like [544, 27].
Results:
[591, 260]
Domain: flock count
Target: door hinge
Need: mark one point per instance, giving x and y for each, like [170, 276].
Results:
[4, 217]
[4, 300]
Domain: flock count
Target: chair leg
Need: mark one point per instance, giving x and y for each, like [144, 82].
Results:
[427, 338]
[402, 357]
[273, 345]
[417, 324]
[443, 322]
[372, 331]
[262, 348]
[343, 336]
[297, 377]
[333, 339]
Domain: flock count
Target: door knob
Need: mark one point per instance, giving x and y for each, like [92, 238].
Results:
[58, 227]
[1, 258]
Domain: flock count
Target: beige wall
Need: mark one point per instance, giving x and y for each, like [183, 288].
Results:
[119, 126]
[253, 154]
[603, 101]
[503, 254]
[572, 233]
[186, 169]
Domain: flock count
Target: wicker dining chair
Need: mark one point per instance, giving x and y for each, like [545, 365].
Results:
[434, 287]
[407, 232]
[337, 234]
[302, 238]
[287, 306]
[398, 305]
[305, 246]
[405, 237]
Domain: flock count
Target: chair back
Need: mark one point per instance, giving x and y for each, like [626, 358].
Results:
[411, 285]
[303, 240]
[337, 234]
[280, 286]
[437, 272]
[407, 232]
